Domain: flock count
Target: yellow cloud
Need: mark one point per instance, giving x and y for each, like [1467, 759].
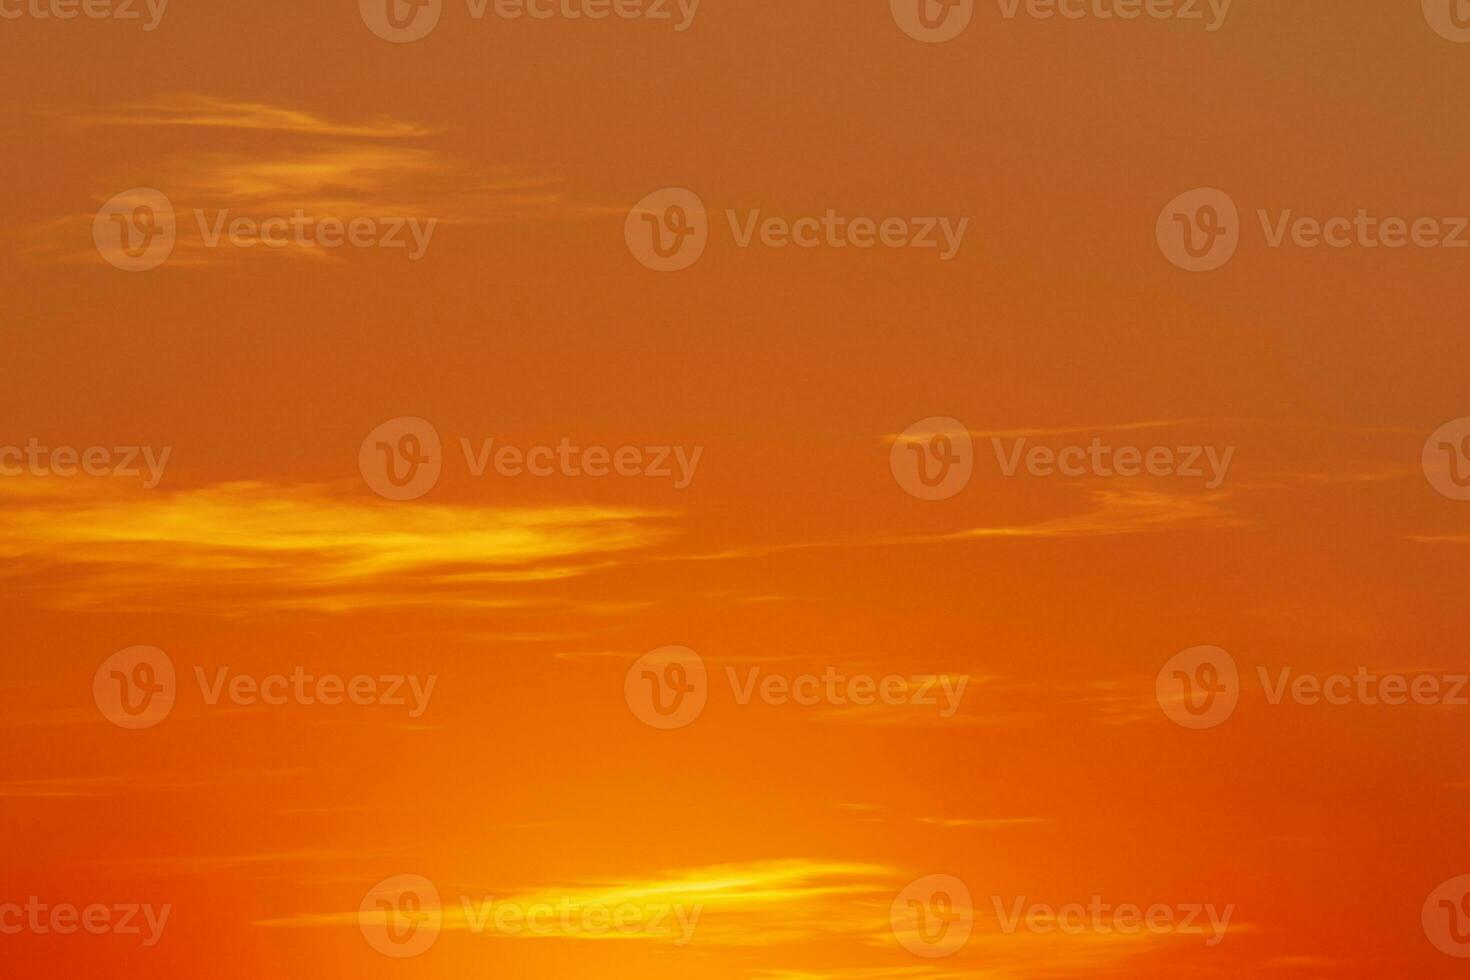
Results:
[243, 545]
[755, 903]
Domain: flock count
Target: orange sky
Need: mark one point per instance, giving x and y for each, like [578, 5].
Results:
[530, 776]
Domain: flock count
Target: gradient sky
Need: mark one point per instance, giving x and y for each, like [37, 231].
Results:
[794, 548]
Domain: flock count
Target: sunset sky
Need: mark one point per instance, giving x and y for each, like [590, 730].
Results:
[777, 395]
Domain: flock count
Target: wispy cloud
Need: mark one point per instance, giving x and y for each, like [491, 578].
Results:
[981, 823]
[116, 784]
[243, 546]
[190, 109]
[751, 904]
[1113, 511]
[298, 161]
